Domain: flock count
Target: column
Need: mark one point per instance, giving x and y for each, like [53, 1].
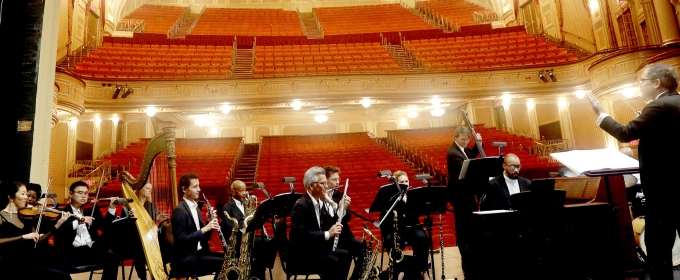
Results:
[533, 120]
[508, 118]
[668, 24]
[565, 122]
[71, 145]
[607, 102]
[96, 134]
[652, 24]
[114, 134]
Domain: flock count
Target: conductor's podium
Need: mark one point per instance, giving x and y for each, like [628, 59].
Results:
[574, 242]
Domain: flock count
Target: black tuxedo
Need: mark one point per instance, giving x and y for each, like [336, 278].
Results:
[656, 127]
[187, 259]
[497, 196]
[347, 240]
[227, 225]
[99, 253]
[307, 238]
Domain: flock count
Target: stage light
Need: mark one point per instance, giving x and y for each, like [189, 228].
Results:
[530, 104]
[628, 92]
[115, 119]
[128, 92]
[435, 101]
[366, 102]
[552, 76]
[562, 104]
[117, 91]
[321, 118]
[297, 105]
[150, 111]
[225, 109]
[580, 94]
[542, 77]
[506, 97]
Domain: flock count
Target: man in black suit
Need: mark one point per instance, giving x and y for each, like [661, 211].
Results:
[313, 229]
[264, 251]
[461, 193]
[347, 240]
[656, 128]
[78, 243]
[498, 191]
[191, 251]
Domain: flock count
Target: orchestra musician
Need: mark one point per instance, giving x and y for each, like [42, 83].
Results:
[78, 242]
[655, 128]
[410, 231]
[145, 198]
[498, 191]
[33, 191]
[347, 240]
[191, 234]
[461, 194]
[235, 210]
[17, 240]
[313, 229]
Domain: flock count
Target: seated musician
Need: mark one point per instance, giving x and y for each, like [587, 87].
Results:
[262, 247]
[313, 230]
[498, 191]
[410, 232]
[347, 240]
[144, 195]
[191, 234]
[78, 242]
[17, 240]
[33, 191]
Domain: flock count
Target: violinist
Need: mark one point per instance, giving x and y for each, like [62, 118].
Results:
[410, 231]
[18, 241]
[78, 242]
[33, 191]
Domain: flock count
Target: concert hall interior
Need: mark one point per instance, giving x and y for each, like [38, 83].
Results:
[128, 96]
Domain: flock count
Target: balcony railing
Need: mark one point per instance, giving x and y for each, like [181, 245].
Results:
[133, 25]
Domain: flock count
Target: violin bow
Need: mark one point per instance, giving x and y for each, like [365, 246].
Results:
[42, 211]
[96, 197]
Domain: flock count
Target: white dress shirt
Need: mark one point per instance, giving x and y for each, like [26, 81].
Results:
[193, 207]
[513, 185]
[239, 204]
[462, 149]
[82, 235]
[317, 208]
[603, 115]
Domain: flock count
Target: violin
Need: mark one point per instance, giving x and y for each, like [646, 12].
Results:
[50, 214]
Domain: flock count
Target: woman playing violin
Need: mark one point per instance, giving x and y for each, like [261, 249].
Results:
[18, 240]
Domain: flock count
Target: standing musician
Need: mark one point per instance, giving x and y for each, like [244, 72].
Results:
[313, 229]
[18, 241]
[655, 127]
[235, 210]
[410, 232]
[499, 189]
[347, 240]
[461, 194]
[191, 234]
[78, 242]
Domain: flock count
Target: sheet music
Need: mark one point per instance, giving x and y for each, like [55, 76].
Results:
[581, 161]
[463, 170]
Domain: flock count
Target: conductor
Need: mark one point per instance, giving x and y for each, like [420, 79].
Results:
[655, 128]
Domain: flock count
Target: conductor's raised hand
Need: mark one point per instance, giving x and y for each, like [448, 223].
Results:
[335, 230]
[597, 107]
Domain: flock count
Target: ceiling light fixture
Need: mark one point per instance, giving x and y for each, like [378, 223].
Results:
[321, 118]
[412, 114]
[297, 105]
[438, 112]
[435, 101]
[97, 121]
[366, 102]
[580, 94]
[204, 122]
[225, 109]
[506, 97]
[150, 111]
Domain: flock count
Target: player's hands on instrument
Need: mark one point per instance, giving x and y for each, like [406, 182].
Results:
[87, 220]
[348, 200]
[335, 230]
[132, 212]
[161, 216]
[597, 107]
[112, 202]
[64, 216]
[637, 113]
[31, 236]
[479, 137]
[213, 224]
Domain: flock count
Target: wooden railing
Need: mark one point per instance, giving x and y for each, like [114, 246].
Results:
[234, 165]
[98, 176]
[484, 17]
[133, 25]
[178, 23]
[545, 147]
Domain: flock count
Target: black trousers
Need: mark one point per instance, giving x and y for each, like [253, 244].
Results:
[356, 251]
[97, 254]
[417, 239]
[204, 263]
[334, 265]
[660, 231]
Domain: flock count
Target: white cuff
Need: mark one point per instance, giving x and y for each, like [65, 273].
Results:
[601, 118]
[326, 235]
[112, 211]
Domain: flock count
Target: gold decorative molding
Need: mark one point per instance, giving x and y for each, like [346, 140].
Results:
[71, 94]
[615, 72]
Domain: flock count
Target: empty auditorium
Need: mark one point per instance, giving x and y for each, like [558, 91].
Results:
[340, 139]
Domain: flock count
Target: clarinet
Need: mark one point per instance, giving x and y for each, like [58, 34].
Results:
[441, 243]
[212, 217]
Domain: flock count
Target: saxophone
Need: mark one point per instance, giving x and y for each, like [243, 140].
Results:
[230, 260]
[370, 271]
[396, 254]
[239, 269]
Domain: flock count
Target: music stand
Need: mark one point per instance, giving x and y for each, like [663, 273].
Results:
[283, 203]
[382, 201]
[481, 168]
[426, 201]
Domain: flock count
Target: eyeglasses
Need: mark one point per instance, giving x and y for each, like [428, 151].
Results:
[643, 80]
[515, 166]
[321, 183]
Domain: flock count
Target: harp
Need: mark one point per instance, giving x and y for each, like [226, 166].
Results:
[161, 170]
